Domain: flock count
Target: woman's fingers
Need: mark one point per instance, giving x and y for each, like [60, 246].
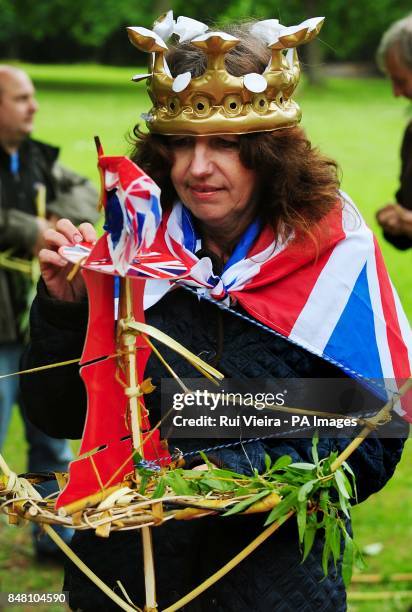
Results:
[54, 270]
[85, 231]
[67, 234]
[48, 257]
[69, 231]
[55, 239]
[54, 267]
[88, 232]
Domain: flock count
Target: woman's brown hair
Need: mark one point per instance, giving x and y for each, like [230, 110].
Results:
[297, 185]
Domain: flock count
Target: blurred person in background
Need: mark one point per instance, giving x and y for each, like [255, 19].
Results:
[394, 57]
[35, 191]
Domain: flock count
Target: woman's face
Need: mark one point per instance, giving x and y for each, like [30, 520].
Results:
[211, 180]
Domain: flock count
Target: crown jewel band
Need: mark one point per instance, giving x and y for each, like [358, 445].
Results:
[217, 102]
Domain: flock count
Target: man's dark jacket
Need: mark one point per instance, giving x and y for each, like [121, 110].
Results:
[67, 195]
[404, 193]
[273, 577]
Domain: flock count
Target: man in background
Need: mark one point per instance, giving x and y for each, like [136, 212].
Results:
[35, 191]
[394, 57]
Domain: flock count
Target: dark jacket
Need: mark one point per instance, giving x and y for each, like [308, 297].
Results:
[270, 579]
[404, 193]
[67, 195]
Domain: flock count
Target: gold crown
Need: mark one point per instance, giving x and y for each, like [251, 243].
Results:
[217, 102]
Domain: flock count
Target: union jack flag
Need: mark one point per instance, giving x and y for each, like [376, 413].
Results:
[133, 211]
[336, 299]
[151, 265]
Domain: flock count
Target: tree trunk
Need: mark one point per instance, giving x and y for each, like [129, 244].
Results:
[12, 49]
[161, 6]
[313, 52]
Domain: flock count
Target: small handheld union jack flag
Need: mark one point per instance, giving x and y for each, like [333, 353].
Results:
[131, 200]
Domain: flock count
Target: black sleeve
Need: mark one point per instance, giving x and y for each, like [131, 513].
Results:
[399, 242]
[404, 193]
[55, 399]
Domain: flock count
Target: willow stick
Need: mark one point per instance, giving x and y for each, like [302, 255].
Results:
[72, 556]
[49, 366]
[128, 345]
[382, 415]
[379, 578]
[378, 595]
[4, 467]
[86, 570]
[227, 567]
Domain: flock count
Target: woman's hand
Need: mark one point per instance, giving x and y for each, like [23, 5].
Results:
[54, 269]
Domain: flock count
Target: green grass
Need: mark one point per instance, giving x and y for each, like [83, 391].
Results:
[358, 123]
[19, 571]
[386, 517]
[354, 121]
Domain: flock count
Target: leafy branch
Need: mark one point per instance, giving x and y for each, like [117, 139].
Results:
[320, 498]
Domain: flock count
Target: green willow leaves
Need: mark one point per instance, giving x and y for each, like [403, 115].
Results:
[319, 497]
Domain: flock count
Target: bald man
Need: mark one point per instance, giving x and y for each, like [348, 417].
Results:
[34, 192]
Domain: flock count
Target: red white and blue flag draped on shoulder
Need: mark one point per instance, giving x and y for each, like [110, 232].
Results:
[331, 295]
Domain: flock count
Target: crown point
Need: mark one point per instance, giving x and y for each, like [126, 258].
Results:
[140, 77]
[181, 82]
[145, 40]
[314, 23]
[221, 35]
[164, 25]
[187, 28]
[254, 82]
[268, 30]
[215, 100]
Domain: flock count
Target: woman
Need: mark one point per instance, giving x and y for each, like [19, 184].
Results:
[235, 189]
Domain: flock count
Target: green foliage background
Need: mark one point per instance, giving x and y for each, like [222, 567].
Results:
[61, 30]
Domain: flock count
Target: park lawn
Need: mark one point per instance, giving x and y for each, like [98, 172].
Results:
[386, 518]
[354, 121]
